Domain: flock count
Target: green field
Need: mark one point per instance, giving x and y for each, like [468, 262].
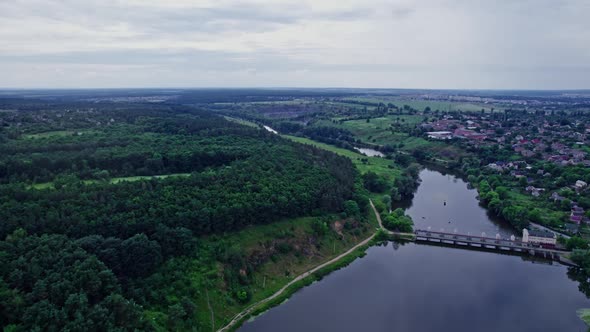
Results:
[57, 133]
[384, 167]
[378, 131]
[420, 105]
[550, 217]
[50, 185]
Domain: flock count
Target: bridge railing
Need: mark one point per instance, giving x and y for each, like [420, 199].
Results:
[481, 239]
[470, 237]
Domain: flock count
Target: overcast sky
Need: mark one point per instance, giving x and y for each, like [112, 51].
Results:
[487, 44]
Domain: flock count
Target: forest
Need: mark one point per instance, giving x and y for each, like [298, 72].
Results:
[96, 199]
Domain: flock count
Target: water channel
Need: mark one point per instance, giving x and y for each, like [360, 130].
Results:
[415, 287]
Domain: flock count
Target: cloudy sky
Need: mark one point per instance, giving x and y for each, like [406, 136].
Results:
[483, 44]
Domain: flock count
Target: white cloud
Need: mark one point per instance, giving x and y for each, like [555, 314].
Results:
[398, 43]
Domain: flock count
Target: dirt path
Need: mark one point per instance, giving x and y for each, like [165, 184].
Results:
[378, 217]
[251, 308]
[385, 229]
[211, 310]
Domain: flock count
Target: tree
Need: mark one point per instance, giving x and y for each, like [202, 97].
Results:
[374, 182]
[243, 296]
[140, 256]
[351, 209]
[395, 195]
[386, 199]
[535, 215]
[65, 287]
[320, 228]
[576, 242]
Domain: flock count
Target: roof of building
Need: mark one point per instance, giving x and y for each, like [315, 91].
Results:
[541, 233]
[572, 228]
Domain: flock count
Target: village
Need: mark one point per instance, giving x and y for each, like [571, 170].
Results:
[528, 149]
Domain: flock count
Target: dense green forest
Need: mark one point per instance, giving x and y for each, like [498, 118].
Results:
[86, 228]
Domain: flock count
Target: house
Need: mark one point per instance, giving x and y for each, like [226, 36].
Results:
[578, 155]
[537, 236]
[572, 228]
[495, 167]
[577, 214]
[540, 147]
[577, 211]
[580, 184]
[576, 219]
[440, 134]
[557, 146]
[517, 174]
[556, 197]
[536, 192]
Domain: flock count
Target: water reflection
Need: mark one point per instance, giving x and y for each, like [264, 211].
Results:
[370, 152]
[444, 201]
[411, 287]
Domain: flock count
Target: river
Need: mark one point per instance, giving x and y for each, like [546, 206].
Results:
[416, 287]
[444, 202]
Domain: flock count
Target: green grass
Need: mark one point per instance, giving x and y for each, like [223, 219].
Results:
[199, 276]
[41, 186]
[50, 185]
[529, 202]
[584, 315]
[378, 131]
[56, 133]
[433, 104]
[384, 167]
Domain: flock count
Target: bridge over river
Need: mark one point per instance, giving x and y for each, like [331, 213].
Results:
[480, 242]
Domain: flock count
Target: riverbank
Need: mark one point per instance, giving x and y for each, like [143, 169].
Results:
[299, 282]
[466, 293]
[392, 287]
[513, 195]
[315, 274]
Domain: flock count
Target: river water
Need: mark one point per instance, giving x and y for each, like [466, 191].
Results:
[416, 287]
[370, 152]
[444, 202]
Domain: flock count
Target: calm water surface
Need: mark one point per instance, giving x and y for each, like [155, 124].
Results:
[370, 152]
[444, 202]
[415, 287]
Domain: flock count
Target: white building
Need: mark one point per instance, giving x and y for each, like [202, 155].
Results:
[536, 236]
[440, 134]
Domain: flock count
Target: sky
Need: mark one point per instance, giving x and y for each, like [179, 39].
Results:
[430, 44]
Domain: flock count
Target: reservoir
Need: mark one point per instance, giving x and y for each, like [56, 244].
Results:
[417, 287]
